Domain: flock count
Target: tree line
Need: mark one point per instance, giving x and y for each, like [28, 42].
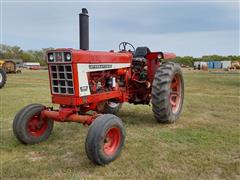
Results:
[15, 52]
[189, 60]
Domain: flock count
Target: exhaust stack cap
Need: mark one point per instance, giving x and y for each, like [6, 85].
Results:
[84, 11]
[84, 29]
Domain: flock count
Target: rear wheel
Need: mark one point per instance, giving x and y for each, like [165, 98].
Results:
[3, 78]
[110, 107]
[168, 93]
[29, 127]
[105, 139]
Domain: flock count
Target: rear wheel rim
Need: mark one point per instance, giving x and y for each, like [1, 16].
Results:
[112, 104]
[112, 141]
[37, 126]
[175, 94]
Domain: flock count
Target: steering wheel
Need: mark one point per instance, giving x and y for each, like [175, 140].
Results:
[123, 47]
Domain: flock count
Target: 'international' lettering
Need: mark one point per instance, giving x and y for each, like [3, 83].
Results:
[100, 66]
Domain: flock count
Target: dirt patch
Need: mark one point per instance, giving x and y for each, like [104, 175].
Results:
[35, 156]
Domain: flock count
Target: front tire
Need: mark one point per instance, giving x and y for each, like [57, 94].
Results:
[168, 93]
[105, 139]
[29, 127]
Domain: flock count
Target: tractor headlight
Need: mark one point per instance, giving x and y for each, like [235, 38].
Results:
[68, 56]
[159, 56]
[50, 57]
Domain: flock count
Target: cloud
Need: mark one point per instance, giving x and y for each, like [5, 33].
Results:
[171, 18]
[183, 44]
[185, 28]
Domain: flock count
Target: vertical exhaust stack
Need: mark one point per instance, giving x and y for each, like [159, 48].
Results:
[84, 29]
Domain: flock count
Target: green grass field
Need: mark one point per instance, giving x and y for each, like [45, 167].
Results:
[203, 144]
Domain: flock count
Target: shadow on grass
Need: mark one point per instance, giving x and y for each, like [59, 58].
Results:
[64, 151]
[141, 115]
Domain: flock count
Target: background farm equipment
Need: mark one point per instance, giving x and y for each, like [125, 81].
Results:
[11, 65]
[83, 81]
[234, 65]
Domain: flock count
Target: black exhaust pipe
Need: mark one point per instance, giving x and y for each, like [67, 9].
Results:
[84, 29]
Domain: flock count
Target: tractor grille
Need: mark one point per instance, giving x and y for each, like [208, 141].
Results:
[62, 79]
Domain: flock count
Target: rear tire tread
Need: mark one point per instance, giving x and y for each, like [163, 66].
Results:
[161, 106]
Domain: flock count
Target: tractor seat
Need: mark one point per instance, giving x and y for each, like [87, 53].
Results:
[141, 52]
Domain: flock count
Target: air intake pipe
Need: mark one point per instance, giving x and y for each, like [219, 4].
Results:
[84, 29]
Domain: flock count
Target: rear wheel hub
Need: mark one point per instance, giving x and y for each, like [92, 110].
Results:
[175, 93]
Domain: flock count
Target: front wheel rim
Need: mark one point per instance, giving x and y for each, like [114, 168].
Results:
[176, 93]
[37, 126]
[112, 141]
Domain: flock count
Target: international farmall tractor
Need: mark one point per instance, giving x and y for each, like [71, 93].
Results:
[90, 87]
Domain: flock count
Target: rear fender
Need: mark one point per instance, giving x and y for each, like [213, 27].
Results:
[160, 55]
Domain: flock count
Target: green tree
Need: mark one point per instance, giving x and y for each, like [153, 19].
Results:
[14, 52]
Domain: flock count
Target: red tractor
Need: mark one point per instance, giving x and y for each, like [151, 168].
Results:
[90, 87]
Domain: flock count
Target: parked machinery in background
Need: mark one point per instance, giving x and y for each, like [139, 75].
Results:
[11, 65]
[234, 65]
[90, 86]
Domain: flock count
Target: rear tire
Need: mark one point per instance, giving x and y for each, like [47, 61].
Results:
[105, 139]
[167, 93]
[29, 128]
[111, 107]
[3, 78]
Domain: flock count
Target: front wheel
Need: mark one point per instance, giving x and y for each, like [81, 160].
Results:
[29, 127]
[105, 139]
[168, 93]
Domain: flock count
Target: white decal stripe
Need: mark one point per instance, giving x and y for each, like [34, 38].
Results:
[84, 68]
[83, 83]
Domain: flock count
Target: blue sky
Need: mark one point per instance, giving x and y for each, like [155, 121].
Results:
[186, 28]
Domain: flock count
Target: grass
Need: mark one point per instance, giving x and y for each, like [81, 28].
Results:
[203, 144]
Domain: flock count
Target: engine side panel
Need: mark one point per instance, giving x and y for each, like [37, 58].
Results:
[84, 72]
